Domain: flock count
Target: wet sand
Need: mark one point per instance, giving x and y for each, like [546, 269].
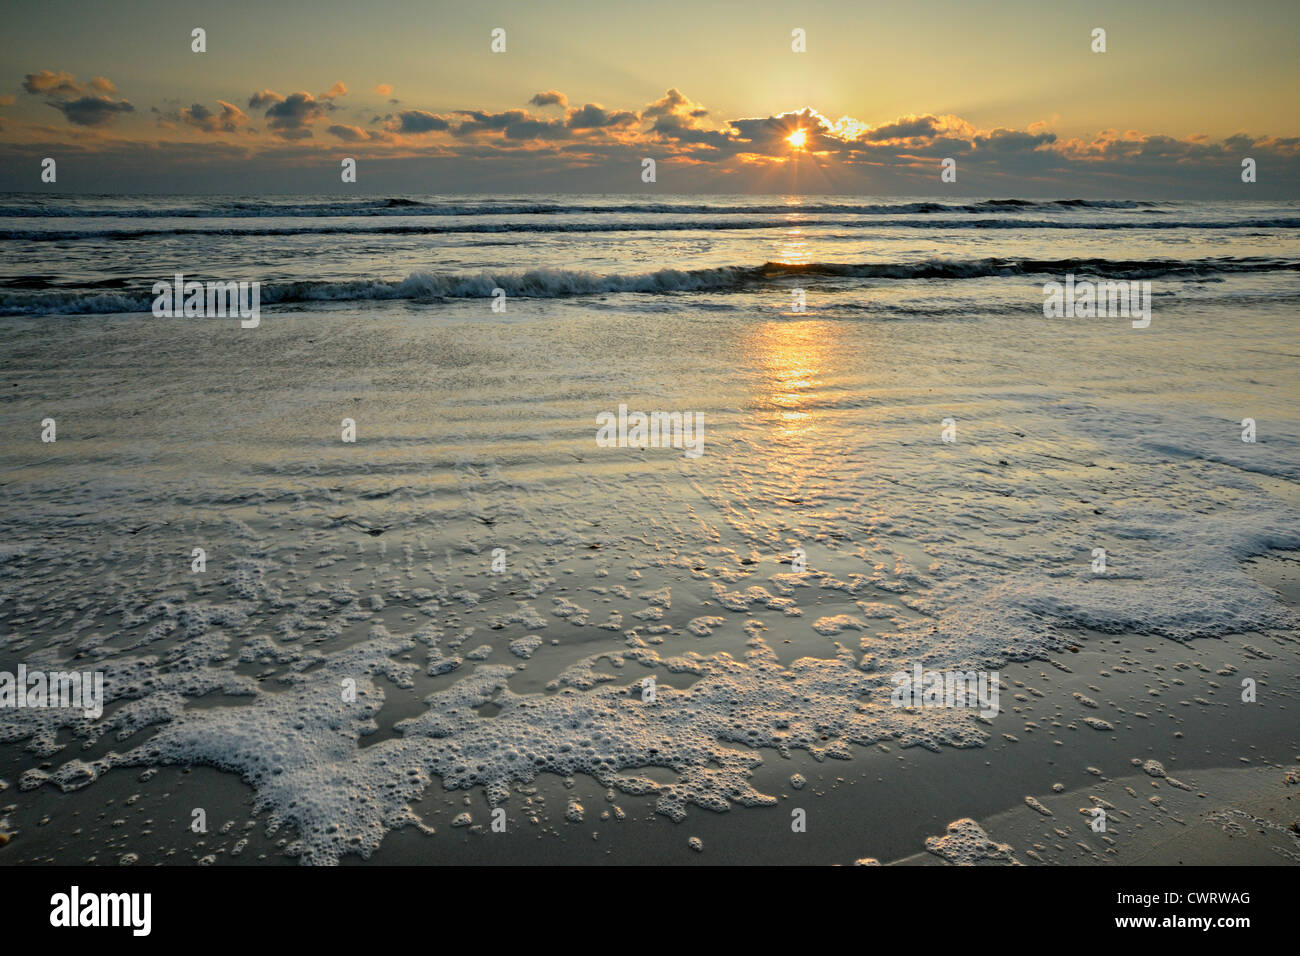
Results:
[374, 562]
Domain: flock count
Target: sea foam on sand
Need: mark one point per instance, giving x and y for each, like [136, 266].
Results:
[283, 663]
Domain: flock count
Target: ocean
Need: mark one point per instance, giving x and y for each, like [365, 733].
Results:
[365, 639]
[734, 252]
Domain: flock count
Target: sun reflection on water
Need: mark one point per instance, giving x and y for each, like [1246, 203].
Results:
[791, 359]
[794, 248]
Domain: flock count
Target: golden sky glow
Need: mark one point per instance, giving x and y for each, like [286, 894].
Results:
[1011, 89]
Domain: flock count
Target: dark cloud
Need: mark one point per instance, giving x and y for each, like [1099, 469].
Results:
[230, 120]
[514, 124]
[908, 127]
[549, 98]
[594, 116]
[536, 129]
[92, 110]
[1012, 141]
[419, 122]
[673, 128]
[290, 117]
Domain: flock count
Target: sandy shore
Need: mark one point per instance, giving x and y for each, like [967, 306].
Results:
[372, 563]
[1223, 789]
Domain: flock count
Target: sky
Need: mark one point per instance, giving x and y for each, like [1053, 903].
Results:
[712, 91]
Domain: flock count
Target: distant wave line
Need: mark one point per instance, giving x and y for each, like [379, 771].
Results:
[65, 235]
[412, 207]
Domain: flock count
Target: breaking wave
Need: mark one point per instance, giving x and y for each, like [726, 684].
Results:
[563, 283]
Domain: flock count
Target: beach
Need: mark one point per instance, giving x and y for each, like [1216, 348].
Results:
[458, 610]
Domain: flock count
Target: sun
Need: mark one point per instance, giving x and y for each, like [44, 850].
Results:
[797, 138]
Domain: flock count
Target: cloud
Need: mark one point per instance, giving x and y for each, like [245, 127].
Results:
[671, 103]
[418, 122]
[49, 83]
[594, 116]
[591, 146]
[679, 119]
[1012, 141]
[919, 129]
[264, 98]
[549, 98]
[384, 89]
[80, 107]
[513, 124]
[92, 110]
[230, 120]
[290, 117]
[351, 134]
[905, 128]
